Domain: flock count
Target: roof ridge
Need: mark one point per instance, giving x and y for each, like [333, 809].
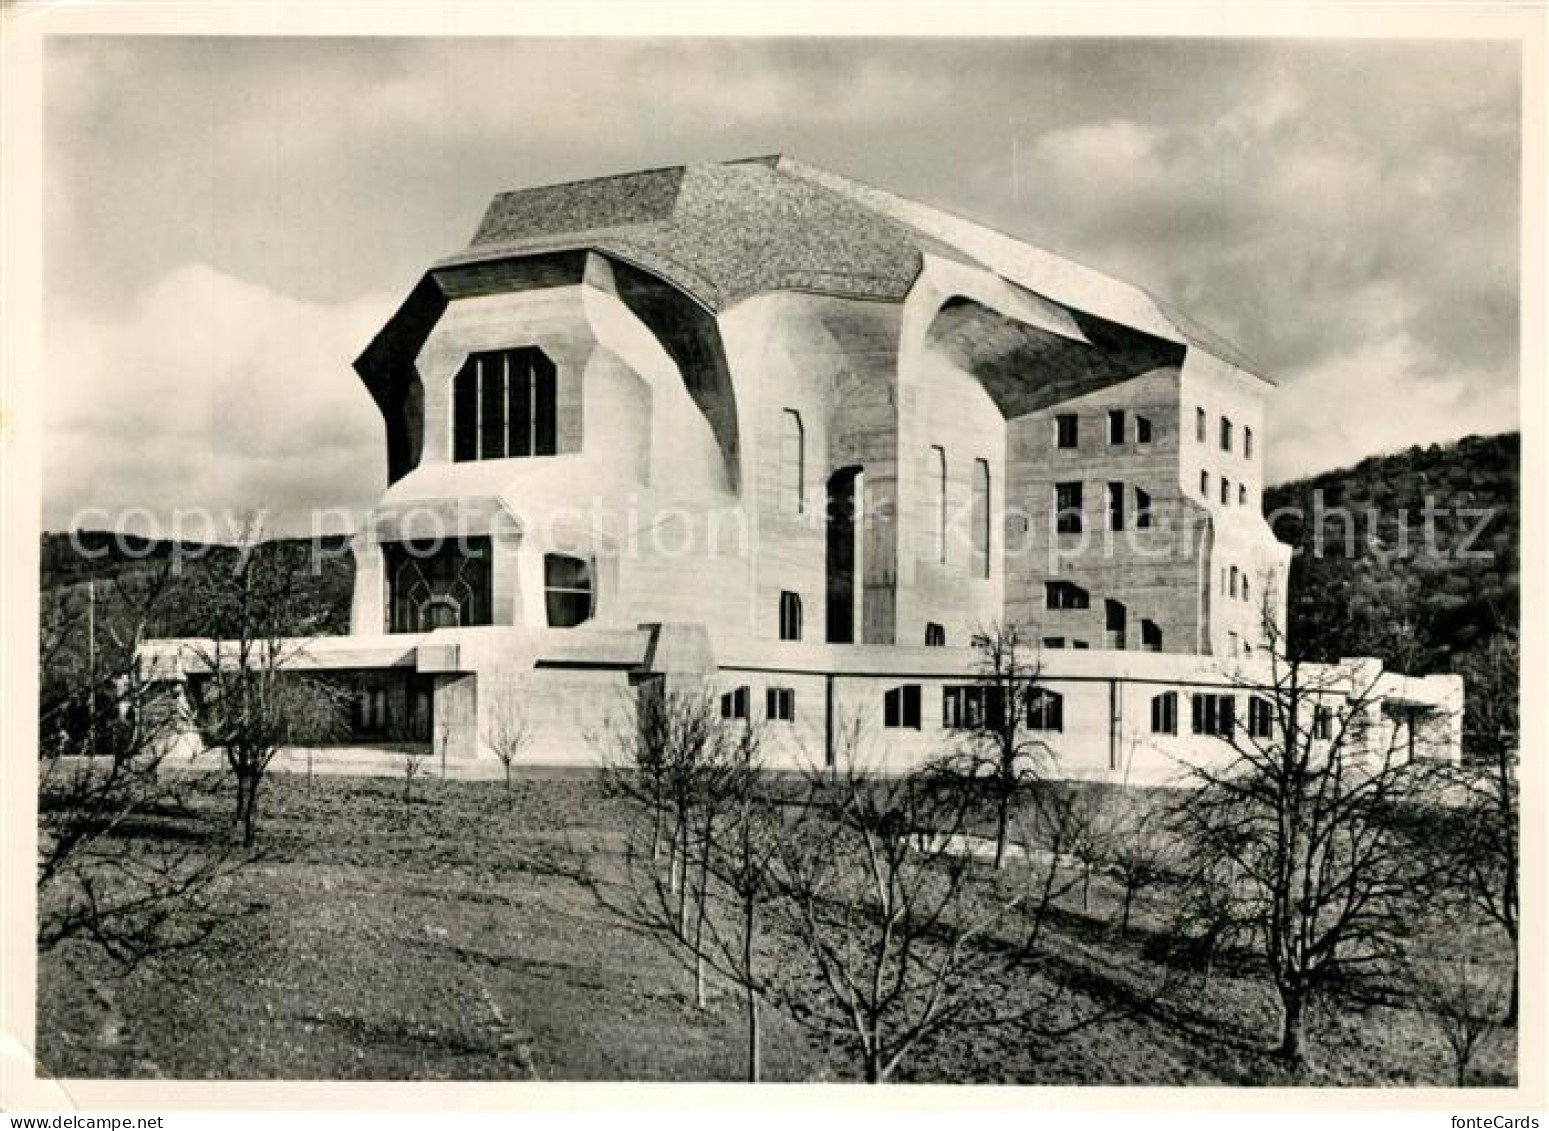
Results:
[593, 180]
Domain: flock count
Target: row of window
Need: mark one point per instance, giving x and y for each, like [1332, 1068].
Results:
[1202, 429]
[1216, 714]
[976, 706]
[1065, 595]
[1068, 508]
[1067, 429]
[1226, 490]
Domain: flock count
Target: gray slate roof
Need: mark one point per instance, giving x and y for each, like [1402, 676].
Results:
[725, 232]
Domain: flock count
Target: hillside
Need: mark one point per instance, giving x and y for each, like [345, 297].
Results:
[1420, 558]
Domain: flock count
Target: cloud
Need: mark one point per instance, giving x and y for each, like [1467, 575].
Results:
[213, 394]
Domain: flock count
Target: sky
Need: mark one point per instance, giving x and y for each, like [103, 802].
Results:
[229, 220]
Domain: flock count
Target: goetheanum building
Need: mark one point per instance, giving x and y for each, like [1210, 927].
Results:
[759, 425]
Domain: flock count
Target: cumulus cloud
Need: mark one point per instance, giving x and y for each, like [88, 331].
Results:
[210, 393]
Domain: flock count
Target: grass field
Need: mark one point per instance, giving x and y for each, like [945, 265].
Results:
[438, 940]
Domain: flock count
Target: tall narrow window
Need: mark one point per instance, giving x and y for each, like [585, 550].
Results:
[935, 635]
[567, 590]
[1115, 506]
[1260, 717]
[1067, 430]
[1142, 509]
[1226, 492]
[936, 488]
[1247, 443]
[790, 616]
[1067, 508]
[1115, 623]
[1244, 585]
[504, 406]
[980, 517]
[1322, 722]
[1226, 434]
[1164, 713]
[1150, 636]
[1204, 485]
[793, 463]
[1116, 426]
[1199, 425]
[1142, 429]
[1231, 586]
[1242, 494]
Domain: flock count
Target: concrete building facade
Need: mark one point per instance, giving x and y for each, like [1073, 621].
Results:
[758, 426]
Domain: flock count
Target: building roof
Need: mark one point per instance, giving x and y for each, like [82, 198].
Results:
[724, 232]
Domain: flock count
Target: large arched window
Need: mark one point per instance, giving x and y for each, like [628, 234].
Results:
[567, 590]
[793, 463]
[503, 405]
[981, 519]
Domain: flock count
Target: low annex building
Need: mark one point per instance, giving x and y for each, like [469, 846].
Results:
[757, 424]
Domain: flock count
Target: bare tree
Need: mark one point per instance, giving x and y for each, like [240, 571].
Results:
[249, 700]
[1140, 851]
[1301, 815]
[1001, 753]
[1465, 997]
[700, 839]
[107, 870]
[879, 890]
[508, 731]
[411, 760]
[1487, 854]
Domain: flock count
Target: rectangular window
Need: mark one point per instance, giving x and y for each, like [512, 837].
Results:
[780, 704]
[1322, 722]
[1054, 642]
[1226, 492]
[1226, 435]
[1150, 636]
[734, 704]
[1115, 506]
[901, 706]
[980, 518]
[1065, 595]
[1116, 426]
[567, 590]
[1142, 509]
[1214, 715]
[1247, 443]
[793, 471]
[1204, 485]
[1079, 645]
[1067, 508]
[1260, 717]
[1164, 713]
[935, 635]
[1045, 710]
[1067, 430]
[1142, 429]
[1199, 425]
